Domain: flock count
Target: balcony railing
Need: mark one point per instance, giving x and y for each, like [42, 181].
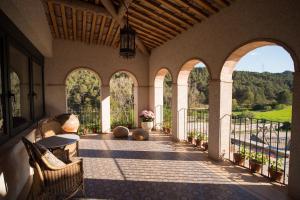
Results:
[261, 140]
[197, 125]
[89, 117]
[123, 117]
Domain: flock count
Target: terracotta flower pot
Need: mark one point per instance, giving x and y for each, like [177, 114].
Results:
[69, 122]
[255, 166]
[199, 142]
[205, 146]
[239, 159]
[275, 175]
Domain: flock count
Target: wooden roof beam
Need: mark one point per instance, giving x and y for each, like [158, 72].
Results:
[167, 13]
[103, 21]
[160, 25]
[177, 10]
[93, 27]
[122, 10]
[191, 8]
[111, 26]
[81, 5]
[152, 27]
[83, 26]
[206, 6]
[160, 17]
[74, 22]
[64, 20]
[110, 8]
[53, 18]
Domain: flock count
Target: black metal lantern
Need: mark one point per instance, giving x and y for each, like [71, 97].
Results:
[127, 40]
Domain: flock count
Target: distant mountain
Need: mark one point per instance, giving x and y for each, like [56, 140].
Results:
[249, 88]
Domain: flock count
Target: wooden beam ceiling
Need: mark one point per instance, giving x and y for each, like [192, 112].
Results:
[99, 21]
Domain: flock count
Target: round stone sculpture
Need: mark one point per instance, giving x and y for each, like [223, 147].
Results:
[121, 132]
[140, 134]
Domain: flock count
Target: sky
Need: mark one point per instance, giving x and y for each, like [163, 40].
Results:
[266, 59]
[272, 59]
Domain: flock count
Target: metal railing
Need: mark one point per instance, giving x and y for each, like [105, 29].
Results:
[125, 117]
[89, 117]
[264, 142]
[197, 124]
[164, 121]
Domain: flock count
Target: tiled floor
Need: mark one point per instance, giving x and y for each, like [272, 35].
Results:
[161, 169]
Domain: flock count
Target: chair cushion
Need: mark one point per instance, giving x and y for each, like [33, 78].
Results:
[121, 131]
[51, 159]
[50, 128]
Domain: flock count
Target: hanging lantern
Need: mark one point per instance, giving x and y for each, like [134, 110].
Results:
[127, 40]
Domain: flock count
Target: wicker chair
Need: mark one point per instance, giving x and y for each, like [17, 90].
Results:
[50, 127]
[52, 182]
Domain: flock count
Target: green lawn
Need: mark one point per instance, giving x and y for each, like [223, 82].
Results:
[283, 115]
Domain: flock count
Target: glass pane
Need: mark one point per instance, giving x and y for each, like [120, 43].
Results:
[38, 91]
[1, 105]
[19, 87]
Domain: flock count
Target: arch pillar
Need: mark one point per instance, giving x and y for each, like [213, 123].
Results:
[294, 170]
[179, 110]
[158, 104]
[220, 103]
[105, 108]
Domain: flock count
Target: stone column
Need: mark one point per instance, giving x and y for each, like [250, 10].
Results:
[294, 168]
[179, 110]
[105, 106]
[220, 105]
[158, 106]
[136, 106]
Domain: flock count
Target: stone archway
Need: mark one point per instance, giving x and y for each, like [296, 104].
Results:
[132, 115]
[159, 97]
[221, 99]
[182, 96]
[83, 97]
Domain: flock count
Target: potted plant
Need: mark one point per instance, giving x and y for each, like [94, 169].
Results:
[147, 117]
[205, 146]
[256, 161]
[240, 155]
[199, 139]
[191, 136]
[276, 173]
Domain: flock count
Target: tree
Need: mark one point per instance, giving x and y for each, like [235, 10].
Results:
[284, 97]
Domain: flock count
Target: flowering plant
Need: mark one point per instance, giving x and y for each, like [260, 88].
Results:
[147, 116]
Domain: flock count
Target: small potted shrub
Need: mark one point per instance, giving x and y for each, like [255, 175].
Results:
[239, 156]
[256, 161]
[276, 175]
[205, 146]
[199, 139]
[191, 136]
[147, 117]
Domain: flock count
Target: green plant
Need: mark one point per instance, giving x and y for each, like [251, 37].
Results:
[243, 151]
[258, 157]
[192, 134]
[200, 136]
[279, 164]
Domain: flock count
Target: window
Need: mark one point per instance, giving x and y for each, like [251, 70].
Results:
[21, 81]
[19, 89]
[38, 97]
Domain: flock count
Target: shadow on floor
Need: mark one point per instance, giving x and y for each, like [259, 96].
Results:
[146, 155]
[120, 189]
